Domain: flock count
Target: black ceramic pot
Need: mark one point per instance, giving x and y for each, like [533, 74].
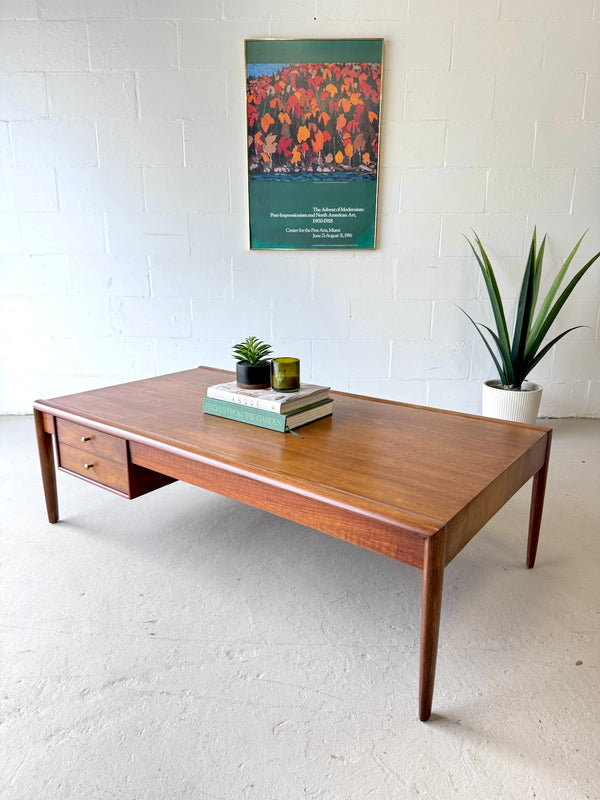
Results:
[253, 376]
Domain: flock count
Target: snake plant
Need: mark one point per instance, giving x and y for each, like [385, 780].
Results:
[514, 359]
[252, 351]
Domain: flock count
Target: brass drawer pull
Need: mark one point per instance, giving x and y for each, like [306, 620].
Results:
[88, 466]
[85, 439]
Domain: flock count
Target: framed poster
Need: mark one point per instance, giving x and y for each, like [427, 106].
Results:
[313, 110]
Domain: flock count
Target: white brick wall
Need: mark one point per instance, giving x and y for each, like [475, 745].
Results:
[123, 195]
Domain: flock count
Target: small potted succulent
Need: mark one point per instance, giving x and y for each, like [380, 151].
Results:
[511, 396]
[253, 364]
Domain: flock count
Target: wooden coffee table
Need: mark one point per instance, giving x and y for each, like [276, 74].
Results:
[413, 483]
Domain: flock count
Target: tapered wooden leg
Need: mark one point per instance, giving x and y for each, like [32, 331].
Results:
[431, 607]
[44, 441]
[537, 505]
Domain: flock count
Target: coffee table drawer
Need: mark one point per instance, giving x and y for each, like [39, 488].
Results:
[91, 441]
[94, 468]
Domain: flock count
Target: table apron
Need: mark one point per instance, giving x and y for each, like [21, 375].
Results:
[325, 514]
[463, 527]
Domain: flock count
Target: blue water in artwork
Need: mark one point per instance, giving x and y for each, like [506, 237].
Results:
[313, 177]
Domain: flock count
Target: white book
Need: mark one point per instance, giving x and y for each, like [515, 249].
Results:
[269, 399]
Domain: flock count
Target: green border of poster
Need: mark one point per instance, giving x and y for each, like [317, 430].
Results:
[310, 209]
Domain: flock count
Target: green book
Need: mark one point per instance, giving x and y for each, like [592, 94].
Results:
[268, 419]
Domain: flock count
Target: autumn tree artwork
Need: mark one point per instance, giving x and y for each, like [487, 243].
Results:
[314, 121]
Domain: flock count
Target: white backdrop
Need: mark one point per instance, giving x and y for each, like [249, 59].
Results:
[123, 229]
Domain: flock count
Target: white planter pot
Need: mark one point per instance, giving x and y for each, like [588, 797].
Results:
[517, 406]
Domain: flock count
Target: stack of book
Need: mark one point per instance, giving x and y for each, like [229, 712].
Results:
[268, 408]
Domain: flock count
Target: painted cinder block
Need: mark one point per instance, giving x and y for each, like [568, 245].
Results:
[459, 94]
[336, 362]
[151, 316]
[586, 196]
[27, 189]
[140, 143]
[128, 44]
[411, 143]
[116, 355]
[493, 45]
[567, 398]
[10, 233]
[5, 148]
[489, 143]
[183, 94]
[348, 277]
[201, 137]
[522, 96]
[99, 189]
[454, 9]
[70, 316]
[413, 45]
[52, 143]
[189, 276]
[592, 98]
[502, 235]
[381, 319]
[47, 355]
[281, 272]
[92, 95]
[529, 190]
[19, 9]
[592, 408]
[149, 234]
[546, 9]
[413, 238]
[455, 395]
[28, 274]
[402, 391]
[219, 235]
[83, 9]
[572, 46]
[432, 360]
[244, 319]
[435, 279]
[187, 190]
[175, 9]
[35, 45]
[221, 44]
[567, 144]
[123, 276]
[443, 189]
[63, 232]
[22, 95]
[16, 317]
[324, 318]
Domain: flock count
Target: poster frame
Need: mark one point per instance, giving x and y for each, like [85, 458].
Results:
[303, 193]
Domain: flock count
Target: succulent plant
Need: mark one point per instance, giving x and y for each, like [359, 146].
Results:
[252, 351]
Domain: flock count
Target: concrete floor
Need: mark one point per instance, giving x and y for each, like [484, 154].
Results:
[185, 646]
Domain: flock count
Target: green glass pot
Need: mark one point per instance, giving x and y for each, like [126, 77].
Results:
[285, 374]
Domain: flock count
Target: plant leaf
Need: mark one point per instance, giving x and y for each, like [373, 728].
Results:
[545, 307]
[537, 275]
[493, 292]
[505, 358]
[536, 359]
[524, 308]
[553, 313]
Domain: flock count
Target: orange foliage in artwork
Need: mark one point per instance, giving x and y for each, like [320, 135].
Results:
[309, 117]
